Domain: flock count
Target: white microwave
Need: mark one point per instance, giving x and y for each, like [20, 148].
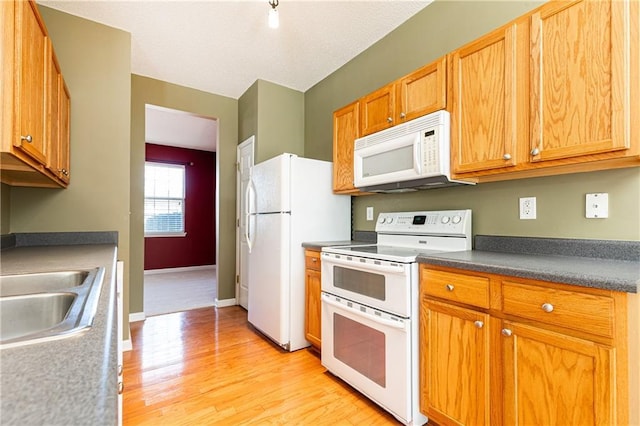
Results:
[413, 155]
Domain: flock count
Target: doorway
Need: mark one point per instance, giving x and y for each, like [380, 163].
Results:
[179, 211]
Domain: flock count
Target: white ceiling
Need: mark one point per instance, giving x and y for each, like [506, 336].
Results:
[223, 47]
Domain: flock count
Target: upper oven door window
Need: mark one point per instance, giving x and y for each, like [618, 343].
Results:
[370, 284]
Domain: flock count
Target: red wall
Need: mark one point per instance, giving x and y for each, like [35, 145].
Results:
[199, 246]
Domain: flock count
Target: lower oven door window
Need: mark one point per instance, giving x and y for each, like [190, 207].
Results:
[370, 350]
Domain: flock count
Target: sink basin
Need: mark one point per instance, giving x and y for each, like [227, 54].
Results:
[45, 306]
[11, 285]
[33, 313]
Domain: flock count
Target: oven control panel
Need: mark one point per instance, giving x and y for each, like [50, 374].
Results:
[445, 222]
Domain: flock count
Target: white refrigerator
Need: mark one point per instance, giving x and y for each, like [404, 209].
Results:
[290, 200]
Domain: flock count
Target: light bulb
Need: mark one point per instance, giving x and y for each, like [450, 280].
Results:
[274, 19]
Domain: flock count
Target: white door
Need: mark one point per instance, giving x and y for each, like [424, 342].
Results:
[245, 162]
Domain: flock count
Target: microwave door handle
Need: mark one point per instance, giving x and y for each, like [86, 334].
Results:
[356, 312]
[417, 157]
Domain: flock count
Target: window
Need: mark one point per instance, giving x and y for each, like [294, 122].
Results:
[164, 193]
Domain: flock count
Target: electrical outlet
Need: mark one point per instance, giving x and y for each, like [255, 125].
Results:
[369, 213]
[528, 208]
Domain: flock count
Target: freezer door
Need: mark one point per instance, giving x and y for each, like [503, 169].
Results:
[271, 182]
[269, 277]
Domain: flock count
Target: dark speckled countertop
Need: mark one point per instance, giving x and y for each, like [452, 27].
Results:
[70, 381]
[611, 265]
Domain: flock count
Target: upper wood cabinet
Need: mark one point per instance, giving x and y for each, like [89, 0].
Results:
[412, 96]
[581, 53]
[59, 104]
[486, 83]
[32, 50]
[377, 110]
[555, 91]
[345, 132]
[422, 92]
[35, 102]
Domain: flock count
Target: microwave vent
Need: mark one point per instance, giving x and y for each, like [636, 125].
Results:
[419, 124]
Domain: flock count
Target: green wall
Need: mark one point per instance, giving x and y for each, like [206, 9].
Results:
[438, 29]
[96, 64]
[560, 202]
[275, 115]
[155, 92]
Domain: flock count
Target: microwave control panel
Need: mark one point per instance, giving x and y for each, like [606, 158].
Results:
[431, 151]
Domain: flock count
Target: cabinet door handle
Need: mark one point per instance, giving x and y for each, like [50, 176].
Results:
[506, 332]
[120, 369]
[479, 324]
[547, 307]
[535, 151]
[120, 388]
[507, 156]
[403, 115]
[389, 120]
[449, 287]
[27, 138]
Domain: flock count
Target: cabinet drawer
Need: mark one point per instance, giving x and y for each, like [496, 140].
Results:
[578, 311]
[312, 259]
[469, 289]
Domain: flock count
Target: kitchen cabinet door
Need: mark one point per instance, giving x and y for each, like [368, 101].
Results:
[580, 78]
[313, 331]
[32, 46]
[552, 378]
[485, 88]
[454, 364]
[422, 92]
[345, 132]
[377, 110]
[58, 139]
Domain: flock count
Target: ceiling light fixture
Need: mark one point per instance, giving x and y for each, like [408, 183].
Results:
[274, 19]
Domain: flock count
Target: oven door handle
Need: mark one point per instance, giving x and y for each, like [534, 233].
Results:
[367, 267]
[386, 322]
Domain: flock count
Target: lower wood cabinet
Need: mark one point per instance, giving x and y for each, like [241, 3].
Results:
[541, 353]
[313, 307]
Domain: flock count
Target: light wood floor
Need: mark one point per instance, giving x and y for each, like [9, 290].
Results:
[209, 367]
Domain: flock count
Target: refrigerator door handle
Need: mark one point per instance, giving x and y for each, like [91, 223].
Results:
[247, 230]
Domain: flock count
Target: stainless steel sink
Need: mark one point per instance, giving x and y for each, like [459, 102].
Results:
[47, 306]
[11, 285]
[33, 313]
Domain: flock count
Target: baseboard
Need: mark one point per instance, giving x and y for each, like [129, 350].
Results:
[223, 303]
[183, 269]
[126, 345]
[136, 316]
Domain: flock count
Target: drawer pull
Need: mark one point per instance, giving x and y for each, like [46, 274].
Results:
[449, 287]
[547, 307]
[479, 324]
[506, 332]
[314, 260]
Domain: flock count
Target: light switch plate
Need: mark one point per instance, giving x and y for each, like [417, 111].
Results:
[597, 206]
[369, 213]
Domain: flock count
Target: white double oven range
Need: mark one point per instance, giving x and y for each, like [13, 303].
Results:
[370, 305]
